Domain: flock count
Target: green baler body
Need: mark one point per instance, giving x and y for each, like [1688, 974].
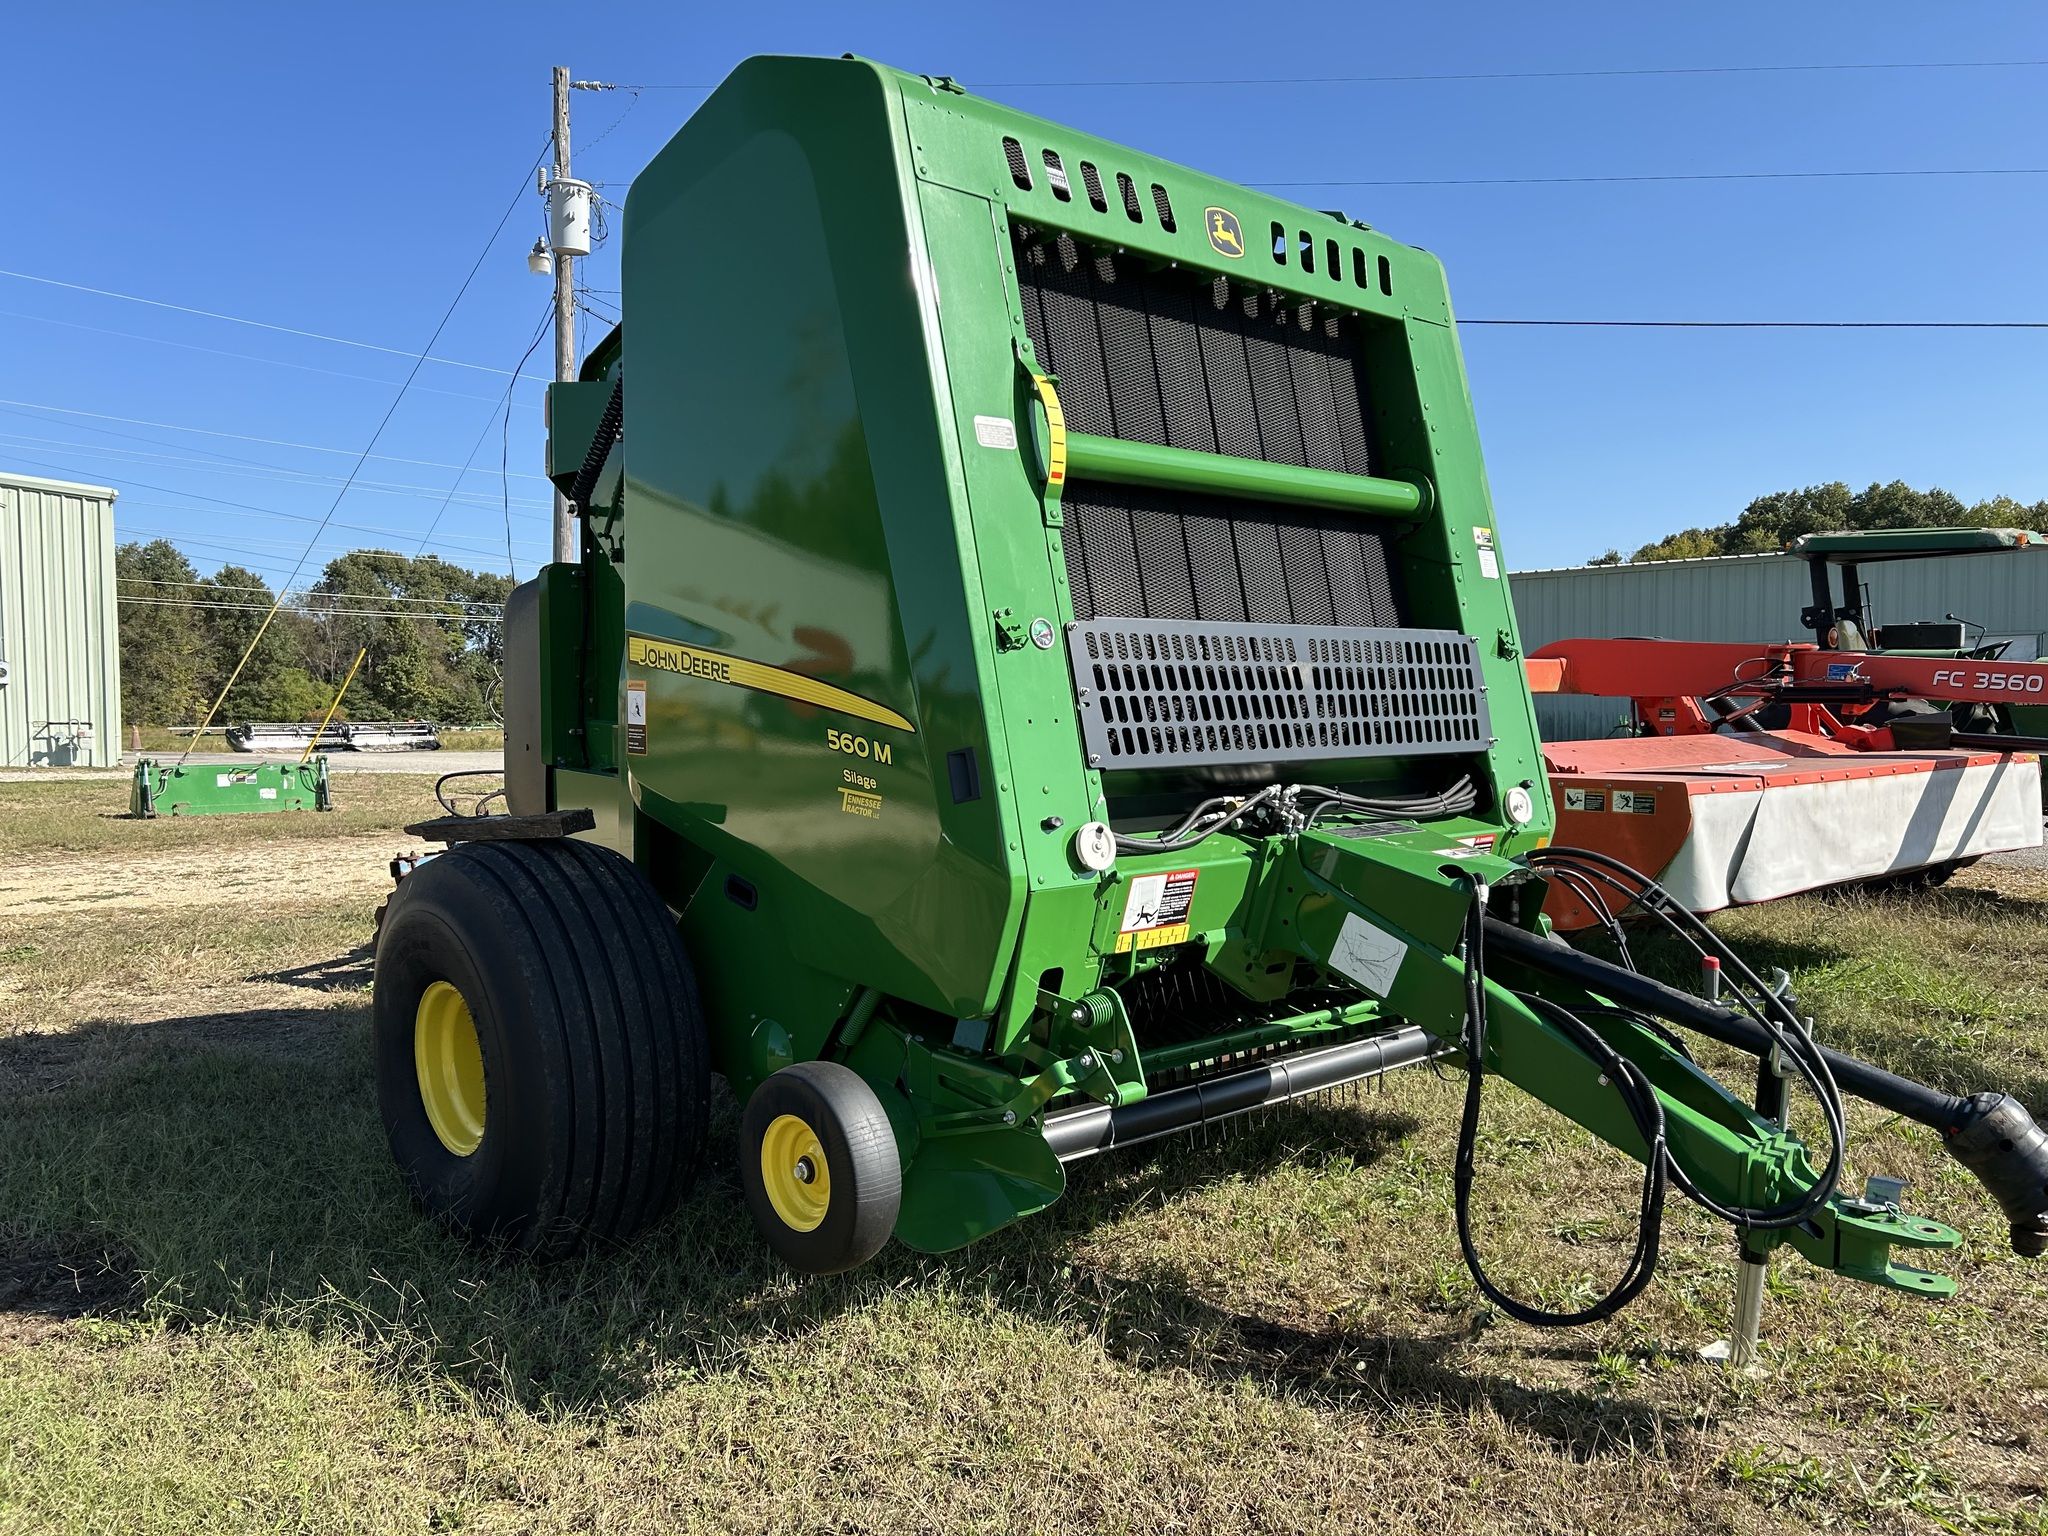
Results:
[830, 559]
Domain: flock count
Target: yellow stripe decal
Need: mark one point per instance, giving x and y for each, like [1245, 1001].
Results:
[738, 672]
[1055, 431]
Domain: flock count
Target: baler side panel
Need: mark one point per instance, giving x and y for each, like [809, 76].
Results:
[791, 507]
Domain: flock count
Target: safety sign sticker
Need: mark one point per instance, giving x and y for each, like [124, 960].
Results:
[1369, 956]
[1635, 802]
[1489, 562]
[1585, 799]
[636, 718]
[1156, 910]
[995, 432]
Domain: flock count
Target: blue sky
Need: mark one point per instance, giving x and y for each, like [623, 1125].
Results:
[337, 169]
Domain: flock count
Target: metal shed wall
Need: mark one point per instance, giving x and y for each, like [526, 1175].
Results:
[1758, 597]
[59, 628]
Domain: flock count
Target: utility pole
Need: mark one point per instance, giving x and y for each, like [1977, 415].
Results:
[567, 546]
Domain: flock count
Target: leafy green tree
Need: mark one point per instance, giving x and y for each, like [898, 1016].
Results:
[163, 644]
[272, 683]
[1771, 522]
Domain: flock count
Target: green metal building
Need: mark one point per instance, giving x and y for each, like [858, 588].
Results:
[60, 655]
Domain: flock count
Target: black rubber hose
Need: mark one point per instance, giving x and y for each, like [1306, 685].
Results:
[1901, 1095]
[1991, 1134]
[1637, 1094]
[600, 445]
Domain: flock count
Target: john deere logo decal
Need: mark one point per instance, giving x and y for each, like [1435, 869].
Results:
[1225, 238]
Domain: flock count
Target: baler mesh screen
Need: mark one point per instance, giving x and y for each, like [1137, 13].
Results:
[1207, 364]
[1136, 552]
[1160, 694]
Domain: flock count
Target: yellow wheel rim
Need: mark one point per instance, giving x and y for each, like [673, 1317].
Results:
[795, 1173]
[450, 1063]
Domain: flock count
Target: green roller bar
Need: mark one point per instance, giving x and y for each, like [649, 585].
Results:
[1182, 469]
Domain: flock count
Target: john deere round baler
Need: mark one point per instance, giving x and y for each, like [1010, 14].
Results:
[1039, 677]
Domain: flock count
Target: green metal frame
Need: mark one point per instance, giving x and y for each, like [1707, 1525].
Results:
[812, 565]
[213, 789]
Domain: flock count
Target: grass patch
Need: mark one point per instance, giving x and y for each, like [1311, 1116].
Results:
[39, 818]
[1263, 1330]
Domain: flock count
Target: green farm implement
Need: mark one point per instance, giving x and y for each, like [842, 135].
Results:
[211, 789]
[1038, 677]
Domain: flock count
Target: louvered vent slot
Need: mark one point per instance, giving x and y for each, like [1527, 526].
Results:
[1163, 206]
[1020, 168]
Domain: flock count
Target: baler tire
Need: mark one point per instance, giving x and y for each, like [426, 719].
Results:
[862, 1173]
[587, 1052]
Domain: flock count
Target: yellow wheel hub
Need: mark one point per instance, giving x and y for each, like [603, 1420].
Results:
[450, 1063]
[793, 1168]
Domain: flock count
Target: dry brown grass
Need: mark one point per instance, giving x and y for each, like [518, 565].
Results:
[218, 1312]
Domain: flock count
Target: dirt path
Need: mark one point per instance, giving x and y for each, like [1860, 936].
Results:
[128, 881]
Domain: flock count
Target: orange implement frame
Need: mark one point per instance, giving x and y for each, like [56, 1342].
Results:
[1723, 812]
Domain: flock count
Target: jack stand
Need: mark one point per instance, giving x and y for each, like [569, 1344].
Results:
[1739, 1350]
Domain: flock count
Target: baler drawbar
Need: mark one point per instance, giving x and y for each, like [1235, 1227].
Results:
[1039, 676]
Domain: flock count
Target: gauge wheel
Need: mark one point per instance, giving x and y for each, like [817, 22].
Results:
[820, 1168]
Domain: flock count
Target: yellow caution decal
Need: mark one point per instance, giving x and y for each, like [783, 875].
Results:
[738, 672]
[1055, 431]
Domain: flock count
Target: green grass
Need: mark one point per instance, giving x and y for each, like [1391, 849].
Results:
[41, 818]
[219, 1312]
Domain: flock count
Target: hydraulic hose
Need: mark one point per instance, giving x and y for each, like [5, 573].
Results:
[600, 448]
[1637, 1093]
[1989, 1133]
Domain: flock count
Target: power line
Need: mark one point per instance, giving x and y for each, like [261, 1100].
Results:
[246, 548]
[244, 506]
[316, 613]
[269, 474]
[1780, 325]
[246, 357]
[504, 408]
[1566, 181]
[313, 592]
[244, 437]
[262, 325]
[383, 422]
[1476, 75]
[505, 459]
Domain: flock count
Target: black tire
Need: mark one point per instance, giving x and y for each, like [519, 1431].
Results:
[595, 1083]
[862, 1170]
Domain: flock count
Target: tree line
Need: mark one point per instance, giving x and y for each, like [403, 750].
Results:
[1771, 522]
[430, 630]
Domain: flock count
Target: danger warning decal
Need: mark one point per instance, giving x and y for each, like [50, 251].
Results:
[1156, 911]
[1585, 799]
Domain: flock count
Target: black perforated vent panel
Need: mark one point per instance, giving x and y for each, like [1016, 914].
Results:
[1169, 357]
[1156, 694]
[1135, 552]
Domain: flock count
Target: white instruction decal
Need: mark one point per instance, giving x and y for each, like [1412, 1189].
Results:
[636, 717]
[995, 432]
[1369, 956]
[1489, 562]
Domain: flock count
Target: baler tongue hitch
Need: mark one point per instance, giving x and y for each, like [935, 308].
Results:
[1538, 1012]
